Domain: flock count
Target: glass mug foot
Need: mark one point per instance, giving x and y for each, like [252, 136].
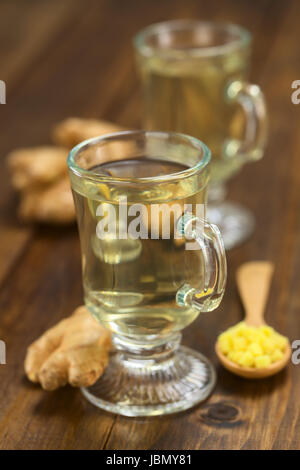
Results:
[235, 222]
[155, 386]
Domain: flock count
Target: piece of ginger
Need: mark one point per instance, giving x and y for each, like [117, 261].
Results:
[75, 351]
[40, 174]
[251, 346]
[49, 204]
[71, 131]
[37, 166]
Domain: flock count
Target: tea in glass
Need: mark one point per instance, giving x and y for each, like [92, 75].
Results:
[194, 80]
[145, 286]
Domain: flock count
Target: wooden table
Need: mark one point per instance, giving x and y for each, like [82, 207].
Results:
[71, 57]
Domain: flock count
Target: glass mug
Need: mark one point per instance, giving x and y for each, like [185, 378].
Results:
[194, 80]
[145, 287]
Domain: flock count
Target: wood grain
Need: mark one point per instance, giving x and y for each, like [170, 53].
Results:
[253, 281]
[65, 58]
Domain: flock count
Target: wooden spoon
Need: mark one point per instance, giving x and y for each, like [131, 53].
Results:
[253, 280]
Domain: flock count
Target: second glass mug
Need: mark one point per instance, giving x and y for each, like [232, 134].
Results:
[147, 288]
[194, 79]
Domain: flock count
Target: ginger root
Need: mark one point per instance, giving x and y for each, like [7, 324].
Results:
[37, 166]
[50, 204]
[75, 351]
[41, 175]
[72, 130]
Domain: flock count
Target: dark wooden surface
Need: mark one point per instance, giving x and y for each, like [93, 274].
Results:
[72, 57]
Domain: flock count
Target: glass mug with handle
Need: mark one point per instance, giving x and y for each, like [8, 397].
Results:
[194, 80]
[143, 283]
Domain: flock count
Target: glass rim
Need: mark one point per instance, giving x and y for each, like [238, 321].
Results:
[139, 40]
[90, 174]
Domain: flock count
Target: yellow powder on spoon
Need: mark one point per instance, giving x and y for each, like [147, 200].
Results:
[249, 346]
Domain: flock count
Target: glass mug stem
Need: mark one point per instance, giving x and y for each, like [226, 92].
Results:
[143, 354]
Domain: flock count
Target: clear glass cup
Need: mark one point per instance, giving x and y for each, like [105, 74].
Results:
[194, 80]
[146, 286]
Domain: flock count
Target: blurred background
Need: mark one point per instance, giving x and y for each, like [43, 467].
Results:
[62, 58]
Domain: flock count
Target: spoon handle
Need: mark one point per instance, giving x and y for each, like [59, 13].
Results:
[253, 280]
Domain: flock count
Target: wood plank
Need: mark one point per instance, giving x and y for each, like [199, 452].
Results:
[34, 69]
[50, 290]
[19, 48]
[19, 51]
[46, 283]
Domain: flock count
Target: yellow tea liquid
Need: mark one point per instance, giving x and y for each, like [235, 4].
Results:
[130, 284]
[189, 96]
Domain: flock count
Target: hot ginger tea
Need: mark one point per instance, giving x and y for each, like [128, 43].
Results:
[141, 281]
[189, 94]
[130, 284]
[194, 78]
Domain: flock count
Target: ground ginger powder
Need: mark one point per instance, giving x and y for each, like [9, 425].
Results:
[249, 346]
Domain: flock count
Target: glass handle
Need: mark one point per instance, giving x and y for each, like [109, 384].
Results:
[251, 99]
[208, 296]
